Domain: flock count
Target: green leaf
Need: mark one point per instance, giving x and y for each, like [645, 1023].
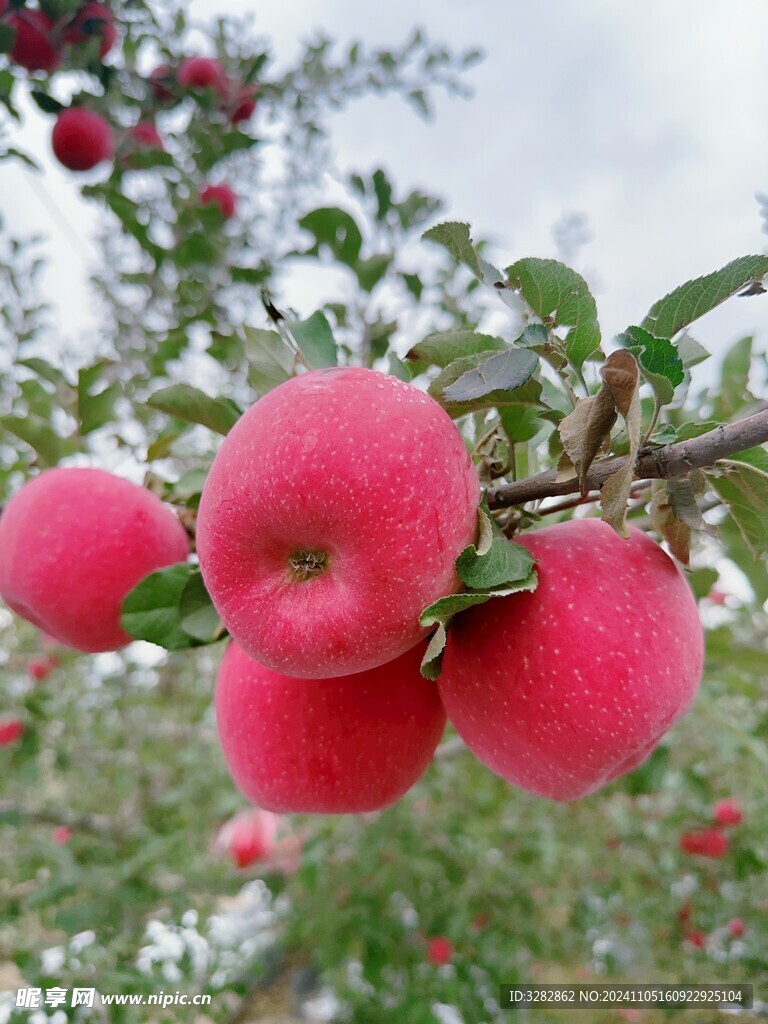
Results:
[270, 360]
[527, 395]
[187, 403]
[702, 581]
[432, 661]
[44, 369]
[315, 339]
[659, 361]
[39, 435]
[520, 423]
[456, 238]
[7, 37]
[95, 408]
[744, 489]
[445, 608]
[46, 103]
[734, 393]
[695, 298]
[690, 351]
[562, 297]
[414, 285]
[495, 563]
[504, 371]
[401, 370]
[336, 229]
[152, 611]
[443, 348]
[196, 248]
[199, 618]
[494, 567]
[535, 336]
[371, 271]
[383, 189]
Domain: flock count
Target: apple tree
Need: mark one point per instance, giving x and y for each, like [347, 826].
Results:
[329, 525]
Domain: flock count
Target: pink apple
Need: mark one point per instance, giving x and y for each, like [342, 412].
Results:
[222, 196]
[709, 842]
[245, 104]
[249, 837]
[563, 689]
[93, 20]
[62, 835]
[736, 928]
[331, 517]
[82, 139]
[326, 746]
[161, 82]
[34, 46]
[439, 950]
[73, 543]
[11, 731]
[144, 135]
[203, 73]
[40, 668]
[727, 812]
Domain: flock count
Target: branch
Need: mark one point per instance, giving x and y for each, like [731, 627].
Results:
[652, 463]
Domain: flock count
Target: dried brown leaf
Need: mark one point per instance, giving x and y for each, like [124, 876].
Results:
[620, 374]
[586, 430]
[675, 532]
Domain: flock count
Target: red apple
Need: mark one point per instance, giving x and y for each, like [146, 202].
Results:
[696, 938]
[203, 73]
[11, 731]
[326, 746]
[439, 950]
[73, 543]
[40, 668]
[144, 135]
[161, 81]
[93, 20]
[736, 928]
[563, 689]
[222, 196]
[245, 104]
[82, 139]
[331, 517]
[62, 835]
[249, 837]
[727, 812]
[709, 842]
[34, 47]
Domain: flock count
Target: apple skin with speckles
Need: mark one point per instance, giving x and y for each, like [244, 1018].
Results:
[73, 543]
[561, 690]
[326, 746]
[332, 516]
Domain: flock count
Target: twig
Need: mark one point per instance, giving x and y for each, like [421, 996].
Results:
[652, 463]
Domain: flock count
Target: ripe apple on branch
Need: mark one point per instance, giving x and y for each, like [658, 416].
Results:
[373, 561]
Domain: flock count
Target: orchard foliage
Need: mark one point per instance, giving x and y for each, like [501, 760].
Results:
[122, 864]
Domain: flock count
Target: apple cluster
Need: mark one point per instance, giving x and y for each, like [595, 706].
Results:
[82, 138]
[332, 516]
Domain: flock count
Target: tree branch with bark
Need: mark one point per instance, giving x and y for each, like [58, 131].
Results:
[652, 463]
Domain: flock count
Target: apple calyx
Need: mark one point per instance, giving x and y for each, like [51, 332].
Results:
[307, 564]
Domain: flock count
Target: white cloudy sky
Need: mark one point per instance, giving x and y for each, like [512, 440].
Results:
[648, 117]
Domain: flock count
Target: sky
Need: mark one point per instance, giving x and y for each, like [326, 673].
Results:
[648, 118]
